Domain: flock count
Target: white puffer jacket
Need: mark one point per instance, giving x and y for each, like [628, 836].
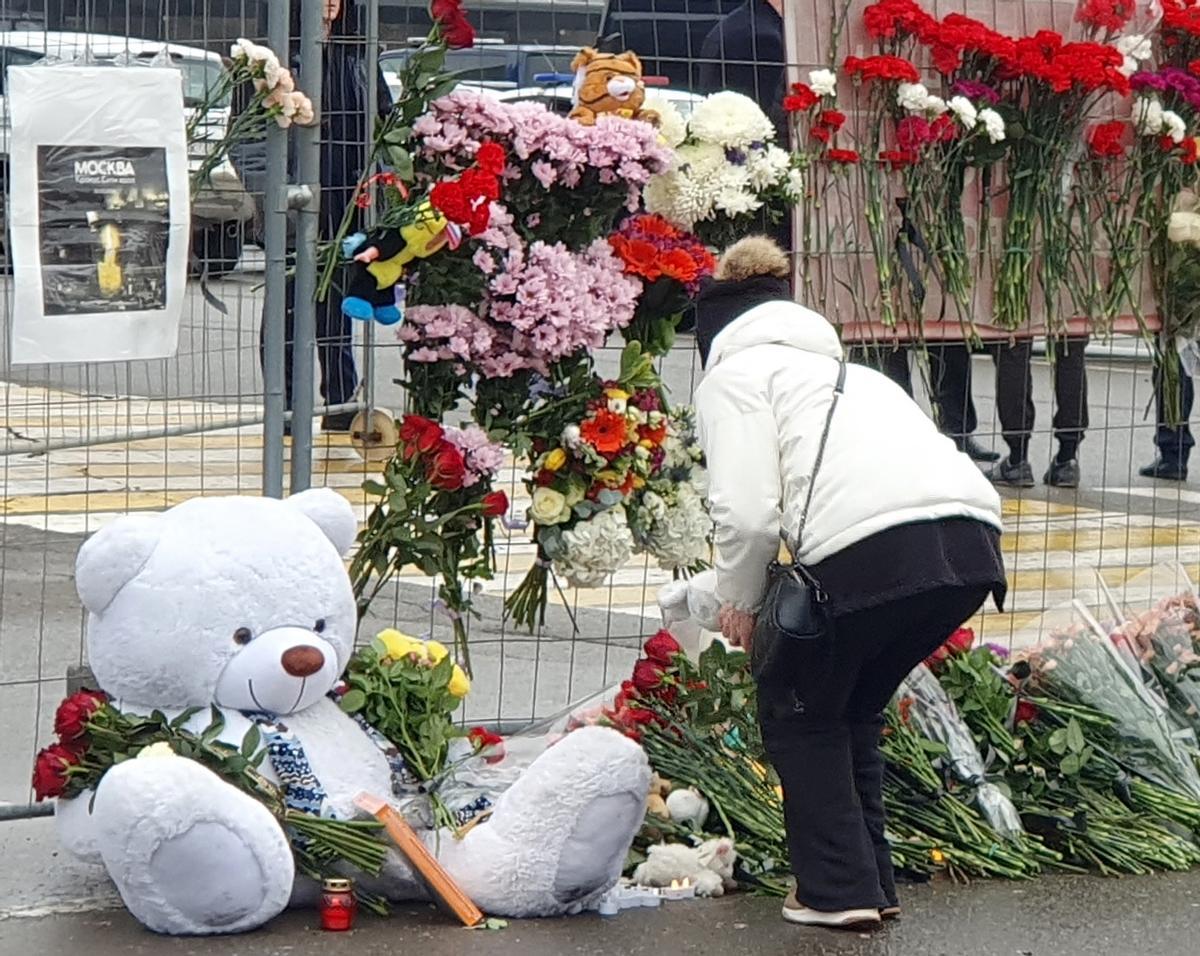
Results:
[761, 410]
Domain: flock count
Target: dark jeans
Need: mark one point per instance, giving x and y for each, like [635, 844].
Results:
[1174, 441]
[949, 380]
[820, 708]
[1014, 395]
[335, 352]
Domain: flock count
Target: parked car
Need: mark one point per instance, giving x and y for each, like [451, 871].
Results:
[491, 64]
[221, 208]
[556, 95]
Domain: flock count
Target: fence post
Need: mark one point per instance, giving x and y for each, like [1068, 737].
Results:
[274, 316]
[308, 163]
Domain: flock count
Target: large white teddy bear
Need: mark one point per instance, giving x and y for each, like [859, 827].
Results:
[245, 603]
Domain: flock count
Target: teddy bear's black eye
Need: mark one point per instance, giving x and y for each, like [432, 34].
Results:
[242, 635]
[319, 627]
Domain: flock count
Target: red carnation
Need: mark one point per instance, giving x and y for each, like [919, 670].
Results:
[802, 99]
[898, 158]
[662, 648]
[882, 68]
[450, 199]
[946, 59]
[420, 435]
[1191, 151]
[834, 119]
[846, 157]
[942, 129]
[1105, 139]
[447, 468]
[491, 158]
[70, 721]
[647, 675]
[483, 739]
[495, 504]
[820, 134]
[627, 693]
[479, 186]
[912, 133]
[50, 771]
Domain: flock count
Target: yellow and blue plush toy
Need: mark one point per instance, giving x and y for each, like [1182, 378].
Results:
[373, 289]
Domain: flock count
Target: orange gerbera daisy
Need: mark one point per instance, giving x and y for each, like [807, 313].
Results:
[606, 431]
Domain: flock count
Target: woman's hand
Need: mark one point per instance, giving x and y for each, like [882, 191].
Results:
[737, 626]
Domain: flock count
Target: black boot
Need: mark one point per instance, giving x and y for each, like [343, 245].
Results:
[1063, 474]
[1013, 474]
[973, 450]
[1165, 469]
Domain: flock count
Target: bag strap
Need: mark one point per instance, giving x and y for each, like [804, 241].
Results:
[838, 388]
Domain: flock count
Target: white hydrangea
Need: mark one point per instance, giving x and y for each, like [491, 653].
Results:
[1148, 116]
[993, 124]
[595, 549]
[1173, 126]
[964, 110]
[731, 120]
[681, 538]
[672, 128]
[823, 82]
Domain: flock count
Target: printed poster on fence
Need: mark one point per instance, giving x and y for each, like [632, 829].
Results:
[99, 212]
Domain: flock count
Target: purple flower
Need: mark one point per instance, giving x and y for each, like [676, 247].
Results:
[975, 90]
[1148, 81]
[998, 649]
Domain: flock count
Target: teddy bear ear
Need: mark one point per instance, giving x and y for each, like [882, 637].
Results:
[330, 512]
[632, 59]
[113, 557]
[583, 58]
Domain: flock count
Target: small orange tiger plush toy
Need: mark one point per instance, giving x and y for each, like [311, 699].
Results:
[608, 83]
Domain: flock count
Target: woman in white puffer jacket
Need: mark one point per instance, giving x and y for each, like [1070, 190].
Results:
[902, 534]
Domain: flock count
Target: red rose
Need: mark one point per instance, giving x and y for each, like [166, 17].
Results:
[483, 739]
[447, 468]
[50, 771]
[70, 722]
[662, 648]
[420, 434]
[453, 24]
[647, 675]
[491, 158]
[960, 641]
[627, 693]
[638, 716]
[495, 504]
[1026, 712]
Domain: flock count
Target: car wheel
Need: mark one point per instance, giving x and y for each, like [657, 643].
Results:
[217, 248]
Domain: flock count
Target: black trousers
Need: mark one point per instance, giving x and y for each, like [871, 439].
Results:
[335, 347]
[1014, 394]
[1174, 441]
[949, 380]
[820, 707]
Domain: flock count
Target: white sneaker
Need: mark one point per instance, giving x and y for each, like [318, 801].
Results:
[796, 912]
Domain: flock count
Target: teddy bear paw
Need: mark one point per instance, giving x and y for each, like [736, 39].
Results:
[190, 854]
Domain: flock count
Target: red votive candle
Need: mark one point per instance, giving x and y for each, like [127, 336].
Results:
[338, 906]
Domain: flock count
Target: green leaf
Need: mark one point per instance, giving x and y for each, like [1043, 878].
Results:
[372, 487]
[251, 741]
[1058, 741]
[1071, 764]
[353, 701]
[1075, 739]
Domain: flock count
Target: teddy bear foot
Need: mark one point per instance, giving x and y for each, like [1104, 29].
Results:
[559, 837]
[190, 854]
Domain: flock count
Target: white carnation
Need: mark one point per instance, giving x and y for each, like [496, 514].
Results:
[1148, 116]
[672, 128]
[1173, 126]
[730, 119]
[935, 106]
[823, 82]
[964, 110]
[595, 549]
[993, 124]
[912, 97]
[1136, 46]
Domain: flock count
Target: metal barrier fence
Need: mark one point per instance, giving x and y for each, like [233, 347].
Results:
[83, 444]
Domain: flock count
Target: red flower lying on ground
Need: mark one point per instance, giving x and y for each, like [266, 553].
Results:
[70, 721]
[50, 771]
[957, 643]
[483, 739]
[662, 648]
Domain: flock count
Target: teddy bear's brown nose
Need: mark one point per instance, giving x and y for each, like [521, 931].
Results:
[302, 661]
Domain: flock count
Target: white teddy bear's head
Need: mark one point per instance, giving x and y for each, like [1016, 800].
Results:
[242, 602]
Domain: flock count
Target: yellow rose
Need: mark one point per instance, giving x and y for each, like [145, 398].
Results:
[555, 460]
[549, 507]
[436, 651]
[460, 684]
[397, 645]
[639, 481]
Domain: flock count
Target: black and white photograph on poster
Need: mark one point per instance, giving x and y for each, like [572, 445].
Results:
[105, 216]
[99, 212]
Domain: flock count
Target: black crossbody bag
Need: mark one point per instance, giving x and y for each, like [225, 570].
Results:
[796, 608]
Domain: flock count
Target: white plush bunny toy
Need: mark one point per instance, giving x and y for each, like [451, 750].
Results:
[245, 603]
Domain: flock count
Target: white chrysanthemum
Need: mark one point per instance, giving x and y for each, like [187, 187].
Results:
[730, 119]
[993, 124]
[795, 184]
[595, 549]
[681, 537]
[672, 128]
[912, 97]
[734, 200]
[964, 110]
[767, 167]
[1148, 116]
[1173, 126]
[823, 82]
